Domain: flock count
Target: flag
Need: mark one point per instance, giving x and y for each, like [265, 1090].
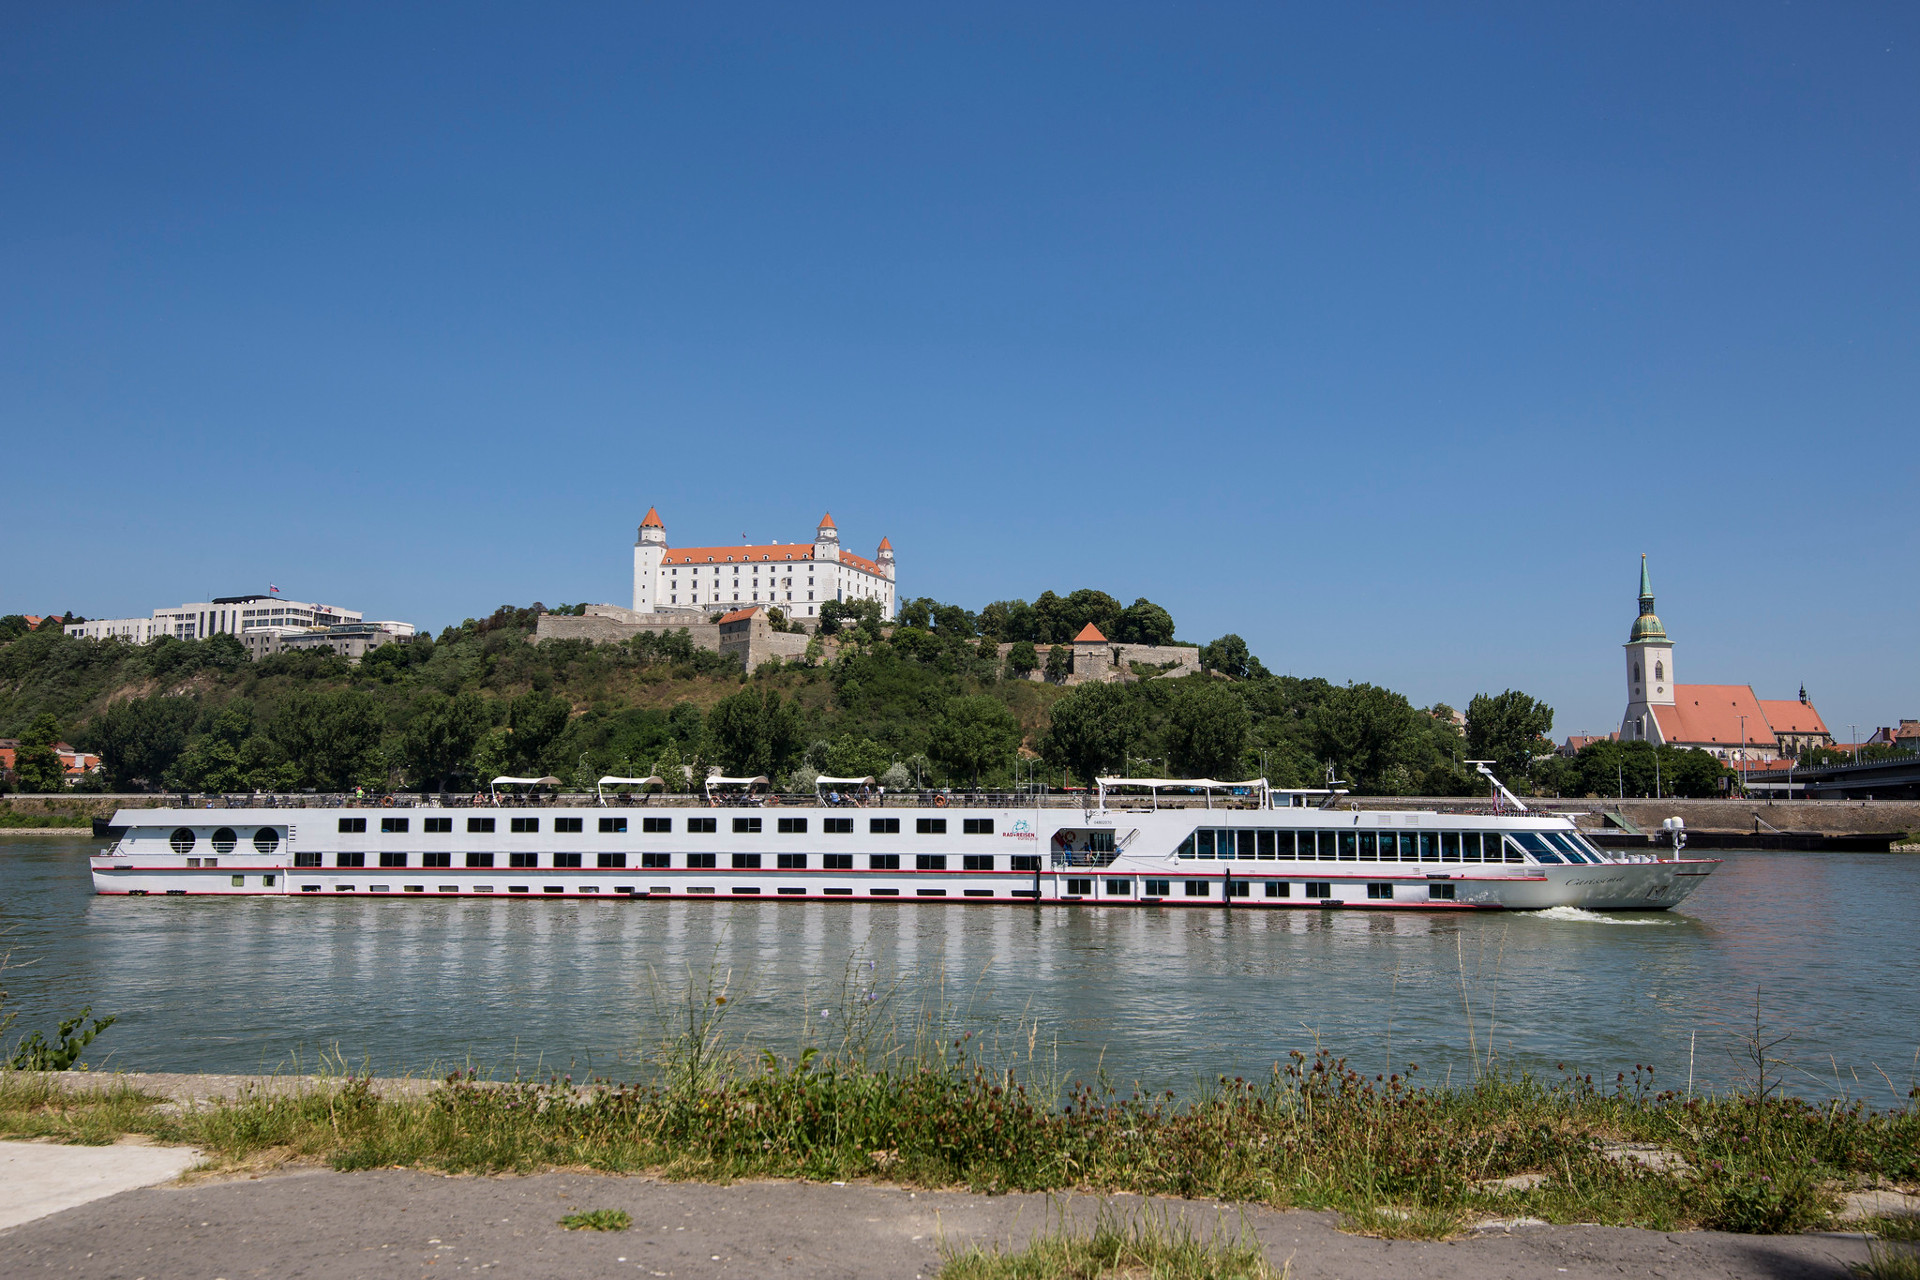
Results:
[271, 587]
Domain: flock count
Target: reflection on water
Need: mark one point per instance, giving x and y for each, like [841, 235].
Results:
[1161, 996]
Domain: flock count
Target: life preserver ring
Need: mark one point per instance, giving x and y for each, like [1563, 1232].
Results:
[772, 800]
[940, 802]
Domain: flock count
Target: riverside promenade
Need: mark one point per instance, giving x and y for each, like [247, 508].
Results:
[137, 1210]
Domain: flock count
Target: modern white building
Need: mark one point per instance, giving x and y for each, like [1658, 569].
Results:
[795, 577]
[224, 615]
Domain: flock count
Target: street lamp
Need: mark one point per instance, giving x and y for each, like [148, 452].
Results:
[1853, 732]
[1743, 753]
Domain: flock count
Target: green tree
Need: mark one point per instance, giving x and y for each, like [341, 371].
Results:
[1509, 729]
[1372, 736]
[973, 735]
[1059, 664]
[440, 739]
[1093, 728]
[327, 738]
[1207, 729]
[1021, 659]
[534, 721]
[229, 756]
[36, 765]
[140, 739]
[1230, 656]
[1145, 622]
[756, 732]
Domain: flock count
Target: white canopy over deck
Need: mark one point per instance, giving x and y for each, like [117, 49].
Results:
[600, 787]
[1207, 786]
[746, 784]
[504, 781]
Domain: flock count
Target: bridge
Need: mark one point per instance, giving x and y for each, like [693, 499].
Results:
[1894, 779]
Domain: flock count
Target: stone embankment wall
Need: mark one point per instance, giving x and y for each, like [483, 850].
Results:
[1830, 817]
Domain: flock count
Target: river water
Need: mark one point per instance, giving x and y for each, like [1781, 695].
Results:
[1824, 943]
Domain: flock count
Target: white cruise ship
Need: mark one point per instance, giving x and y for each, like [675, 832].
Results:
[1130, 842]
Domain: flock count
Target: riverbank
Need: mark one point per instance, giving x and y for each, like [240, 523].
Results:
[1389, 1157]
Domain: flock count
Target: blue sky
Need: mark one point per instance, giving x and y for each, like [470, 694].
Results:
[1388, 337]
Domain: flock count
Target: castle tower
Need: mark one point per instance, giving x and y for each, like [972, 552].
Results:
[826, 540]
[1649, 668]
[885, 557]
[648, 548]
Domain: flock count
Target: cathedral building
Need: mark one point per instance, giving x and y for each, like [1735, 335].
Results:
[1725, 719]
[795, 577]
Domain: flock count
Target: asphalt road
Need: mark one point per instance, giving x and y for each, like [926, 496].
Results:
[323, 1225]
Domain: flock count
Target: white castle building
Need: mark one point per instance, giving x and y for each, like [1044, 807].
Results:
[795, 577]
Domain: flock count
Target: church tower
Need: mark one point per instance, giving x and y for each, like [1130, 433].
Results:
[1649, 668]
[648, 549]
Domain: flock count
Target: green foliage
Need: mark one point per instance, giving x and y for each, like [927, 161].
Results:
[33, 1053]
[36, 765]
[441, 738]
[1207, 730]
[1059, 664]
[327, 737]
[1094, 729]
[139, 740]
[534, 722]
[598, 1220]
[1021, 659]
[756, 733]
[1610, 768]
[1230, 656]
[1510, 729]
[974, 736]
[1143, 1245]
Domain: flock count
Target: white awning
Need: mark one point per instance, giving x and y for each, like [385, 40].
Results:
[1157, 785]
[824, 781]
[599, 789]
[504, 781]
[736, 782]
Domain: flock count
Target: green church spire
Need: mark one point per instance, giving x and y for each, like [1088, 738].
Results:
[1647, 625]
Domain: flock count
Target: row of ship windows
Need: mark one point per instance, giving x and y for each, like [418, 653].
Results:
[1309, 889]
[618, 826]
[1388, 846]
[664, 861]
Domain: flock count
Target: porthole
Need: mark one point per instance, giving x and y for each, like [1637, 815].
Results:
[266, 840]
[224, 840]
[181, 840]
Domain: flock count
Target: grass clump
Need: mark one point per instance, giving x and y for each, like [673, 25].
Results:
[1147, 1247]
[1889, 1262]
[598, 1220]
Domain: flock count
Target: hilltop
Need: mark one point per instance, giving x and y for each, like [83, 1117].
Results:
[928, 698]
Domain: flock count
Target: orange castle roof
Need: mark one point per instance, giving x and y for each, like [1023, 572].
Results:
[1089, 634]
[739, 615]
[826, 521]
[885, 545]
[652, 520]
[774, 551]
[862, 563]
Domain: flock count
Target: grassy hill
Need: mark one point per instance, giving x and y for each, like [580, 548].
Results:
[927, 698]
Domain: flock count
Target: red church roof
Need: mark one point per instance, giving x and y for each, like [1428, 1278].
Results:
[1789, 716]
[1709, 714]
[1089, 634]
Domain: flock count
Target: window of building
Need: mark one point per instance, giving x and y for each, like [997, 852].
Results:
[524, 826]
[883, 826]
[437, 826]
[479, 859]
[484, 825]
[746, 826]
[389, 859]
[976, 826]
[930, 862]
[440, 859]
[930, 826]
[793, 826]
[353, 825]
[350, 860]
[883, 862]
[837, 826]
[566, 859]
[523, 860]
[568, 826]
[701, 861]
[977, 862]
[393, 826]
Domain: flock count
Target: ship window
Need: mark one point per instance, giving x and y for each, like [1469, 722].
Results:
[1450, 846]
[266, 840]
[792, 861]
[793, 826]
[977, 862]
[700, 860]
[1349, 846]
[746, 826]
[523, 860]
[353, 825]
[1238, 888]
[224, 839]
[883, 826]
[1024, 862]
[1378, 891]
[1469, 848]
[479, 859]
[1429, 846]
[1277, 888]
[350, 860]
[393, 826]
[1265, 844]
[1326, 845]
[837, 861]
[654, 861]
[696, 826]
[976, 826]
[1319, 889]
[930, 862]
[1534, 845]
[1197, 889]
[1285, 843]
[1440, 892]
[746, 862]
[437, 826]
[930, 826]
[1186, 848]
[1367, 853]
[1205, 843]
[1080, 887]
[442, 859]
[1156, 888]
[561, 825]
[482, 825]
[837, 826]
[884, 862]
[566, 859]
[524, 826]
[306, 859]
[389, 858]
[650, 826]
